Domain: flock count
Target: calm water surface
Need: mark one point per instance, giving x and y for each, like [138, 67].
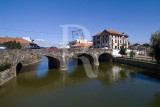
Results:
[109, 85]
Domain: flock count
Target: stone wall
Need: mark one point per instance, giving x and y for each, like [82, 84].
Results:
[7, 75]
[144, 65]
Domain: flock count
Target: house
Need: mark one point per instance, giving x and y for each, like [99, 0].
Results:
[143, 50]
[82, 45]
[110, 39]
[24, 43]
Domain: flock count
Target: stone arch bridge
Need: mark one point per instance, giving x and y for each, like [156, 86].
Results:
[57, 57]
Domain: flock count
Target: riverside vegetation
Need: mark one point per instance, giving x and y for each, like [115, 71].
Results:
[5, 66]
[11, 45]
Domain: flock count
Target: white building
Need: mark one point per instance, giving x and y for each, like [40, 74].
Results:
[110, 39]
[79, 41]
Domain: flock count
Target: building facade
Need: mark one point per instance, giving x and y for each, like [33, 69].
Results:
[110, 39]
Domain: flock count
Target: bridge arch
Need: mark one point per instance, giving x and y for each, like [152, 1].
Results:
[105, 57]
[53, 62]
[84, 58]
[18, 67]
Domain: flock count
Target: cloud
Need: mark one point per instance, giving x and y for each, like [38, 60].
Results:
[40, 40]
[43, 43]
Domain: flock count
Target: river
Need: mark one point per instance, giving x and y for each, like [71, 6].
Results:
[106, 85]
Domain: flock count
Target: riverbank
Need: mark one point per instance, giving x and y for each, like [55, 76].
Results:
[148, 66]
[8, 74]
[152, 68]
[144, 65]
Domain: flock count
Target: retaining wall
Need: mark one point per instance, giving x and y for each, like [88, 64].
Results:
[7, 75]
[144, 65]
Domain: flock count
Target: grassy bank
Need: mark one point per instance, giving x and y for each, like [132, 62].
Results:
[140, 60]
[39, 57]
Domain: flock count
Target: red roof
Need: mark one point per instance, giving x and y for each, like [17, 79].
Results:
[20, 40]
[114, 32]
[83, 45]
[98, 34]
[111, 32]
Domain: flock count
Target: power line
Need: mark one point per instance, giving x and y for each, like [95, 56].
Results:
[77, 34]
[28, 31]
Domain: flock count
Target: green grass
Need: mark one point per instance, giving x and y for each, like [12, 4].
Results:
[4, 66]
[39, 57]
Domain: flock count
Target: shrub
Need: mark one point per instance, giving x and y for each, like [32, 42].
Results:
[132, 54]
[122, 51]
[39, 57]
[4, 66]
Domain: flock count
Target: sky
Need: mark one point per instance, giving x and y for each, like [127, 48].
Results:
[41, 19]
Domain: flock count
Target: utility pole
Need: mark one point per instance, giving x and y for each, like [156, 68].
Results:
[74, 31]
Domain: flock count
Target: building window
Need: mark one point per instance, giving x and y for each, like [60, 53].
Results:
[94, 43]
[98, 37]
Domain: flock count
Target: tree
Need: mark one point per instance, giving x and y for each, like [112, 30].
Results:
[12, 45]
[146, 45]
[132, 54]
[155, 40]
[151, 54]
[136, 44]
[131, 47]
[122, 51]
[129, 43]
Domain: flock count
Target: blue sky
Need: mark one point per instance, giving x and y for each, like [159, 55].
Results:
[137, 18]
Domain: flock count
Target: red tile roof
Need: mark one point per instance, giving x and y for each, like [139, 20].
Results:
[7, 39]
[114, 32]
[111, 32]
[83, 45]
[98, 34]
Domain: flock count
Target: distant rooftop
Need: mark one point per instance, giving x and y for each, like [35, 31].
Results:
[20, 40]
[82, 44]
[111, 32]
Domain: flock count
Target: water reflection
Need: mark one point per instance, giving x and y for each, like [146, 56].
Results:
[88, 68]
[111, 74]
[75, 74]
[156, 101]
